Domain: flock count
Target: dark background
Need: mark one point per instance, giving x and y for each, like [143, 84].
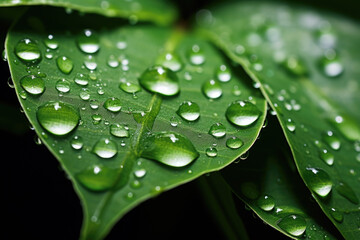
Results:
[40, 202]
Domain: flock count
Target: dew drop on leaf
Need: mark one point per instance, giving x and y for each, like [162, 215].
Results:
[293, 224]
[90, 63]
[223, 73]
[234, 142]
[331, 65]
[266, 203]
[169, 148]
[217, 130]
[158, 79]
[211, 152]
[33, 84]
[170, 61]
[336, 215]
[81, 79]
[347, 192]
[140, 173]
[318, 181]
[62, 85]
[84, 94]
[77, 142]
[290, 125]
[88, 41]
[129, 87]
[65, 64]
[105, 148]
[112, 104]
[189, 111]
[196, 56]
[58, 118]
[327, 157]
[212, 89]
[97, 178]
[119, 130]
[112, 61]
[28, 51]
[242, 113]
[51, 42]
[332, 140]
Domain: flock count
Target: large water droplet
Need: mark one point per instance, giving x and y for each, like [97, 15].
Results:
[318, 181]
[105, 148]
[169, 148]
[332, 140]
[119, 130]
[33, 84]
[217, 130]
[58, 118]
[223, 74]
[129, 87]
[266, 203]
[65, 64]
[212, 89]
[28, 51]
[234, 143]
[88, 41]
[196, 55]
[160, 80]
[170, 61]
[112, 104]
[293, 224]
[97, 178]
[242, 113]
[346, 191]
[189, 111]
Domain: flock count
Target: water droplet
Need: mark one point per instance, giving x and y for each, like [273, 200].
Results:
[112, 61]
[266, 203]
[290, 125]
[112, 104]
[65, 64]
[236, 90]
[81, 79]
[242, 113]
[327, 157]
[84, 94]
[169, 148]
[90, 63]
[295, 66]
[293, 224]
[160, 80]
[332, 140]
[331, 66]
[129, 87]
[28, 51]
[33, 84]
[77, 142]
[88, 41]
[189, 111]
[318, 181]
[196, 55]
[347, 126]
[170, 61]
[62, 85]
[105, 148]
[140, 173]
[211, 152]
[97, 178]
[119, 130]
[212, 89]
[234, 143]
[51, 42]
[337, 215]
[58, 118]
[346, 191]
[96, 118]
[217, 130]
[223, 74]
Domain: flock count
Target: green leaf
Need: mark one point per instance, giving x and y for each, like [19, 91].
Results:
[121, 144]
[160, 11]
[304, 63]
[268, 183]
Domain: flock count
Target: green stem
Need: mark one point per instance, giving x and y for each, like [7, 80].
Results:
[217, 195]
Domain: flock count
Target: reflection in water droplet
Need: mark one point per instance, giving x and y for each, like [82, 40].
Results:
[189, 111]
[105, 148]
[33, 84]
[318, 181]
[242, 113]
[217, 130]
[169, 148]
[97, 178]
[212, 89]
[160, 80]
[28, 51]
[293, 224]
[65, 64]
[58, 118]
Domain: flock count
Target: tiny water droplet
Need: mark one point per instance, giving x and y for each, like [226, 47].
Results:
[160, 80]
[169, 148]
[51, 42]
[96, 118]
[217, 130]
[105, 148]
[119, 130]
[234, 143]
[189, 111]
[88, 41]
[318, 181]
[266, 203]
[211, 152]
[65, 64]
[290, 125]
[28, 51]
[242, 113]
[223, 73]
[293, 224]
[33, 84]
[77, 142]
[196, 55]
[212, 89]
[112, 104]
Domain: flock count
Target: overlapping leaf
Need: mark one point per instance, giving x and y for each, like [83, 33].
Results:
[95, 88]
[306, 65]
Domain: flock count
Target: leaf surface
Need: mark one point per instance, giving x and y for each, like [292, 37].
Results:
[161, 12]
[153, 148]
[305, 64]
